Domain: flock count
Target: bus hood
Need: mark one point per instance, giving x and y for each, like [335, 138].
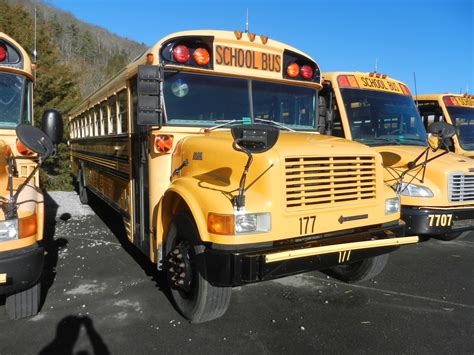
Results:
[399, 156]
[442, 175]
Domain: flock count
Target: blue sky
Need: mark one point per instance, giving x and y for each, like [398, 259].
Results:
[433, 38]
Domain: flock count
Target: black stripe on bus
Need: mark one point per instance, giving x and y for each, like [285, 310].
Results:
[118, 137]
[119, 174]
[121, 158]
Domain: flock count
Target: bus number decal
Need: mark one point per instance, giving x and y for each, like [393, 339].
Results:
[440, 220]
[307, 225]
[246, 58]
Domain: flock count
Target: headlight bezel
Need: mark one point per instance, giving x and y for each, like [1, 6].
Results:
[413, 190]
[239, 223]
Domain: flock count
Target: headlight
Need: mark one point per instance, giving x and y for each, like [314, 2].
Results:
[413, 190]
[239, 223]
[8, 230]
[392, 205]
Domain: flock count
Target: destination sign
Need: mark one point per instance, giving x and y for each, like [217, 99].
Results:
[373, 83]
[247, 59]
[463, 101]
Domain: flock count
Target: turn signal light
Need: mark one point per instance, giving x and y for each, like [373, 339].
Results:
[22, 149]
[163, 143]
[292, 70]
[3, 53]
[201, 56]
[449, 101]
[27, 226]
[220, 223]
[306, 72]
[405, 89]
[181, 54]
[347, 81]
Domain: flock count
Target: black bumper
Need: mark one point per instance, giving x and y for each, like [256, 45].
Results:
[432, 222]
[238, 267]
[23, 268]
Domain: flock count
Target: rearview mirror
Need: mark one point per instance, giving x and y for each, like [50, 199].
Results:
[52, 125]
[255, 138]
[442, 130]
[35, 140]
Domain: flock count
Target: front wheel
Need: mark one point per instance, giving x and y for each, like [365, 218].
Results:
[360, 270]
[195, 298]
[25, 303]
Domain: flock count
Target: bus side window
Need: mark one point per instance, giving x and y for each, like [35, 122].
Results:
[111, 103]
[104, 118]
[122, 112]
[96, 120]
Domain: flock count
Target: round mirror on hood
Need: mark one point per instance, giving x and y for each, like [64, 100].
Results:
[442, 130]
[35, 140]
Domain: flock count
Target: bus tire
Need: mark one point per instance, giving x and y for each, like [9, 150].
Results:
[82, 189]
[196, 299]
[25, 303]
[359, 271]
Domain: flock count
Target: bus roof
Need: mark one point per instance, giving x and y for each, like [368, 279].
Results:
[366, 81]
[253, 48]
[22, 63]
[448, 99]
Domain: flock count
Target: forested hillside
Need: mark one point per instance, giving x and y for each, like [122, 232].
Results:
[73, 59]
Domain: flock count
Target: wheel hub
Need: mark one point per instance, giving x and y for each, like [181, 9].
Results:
[179, 267]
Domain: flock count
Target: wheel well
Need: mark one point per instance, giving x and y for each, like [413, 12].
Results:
[172, 204]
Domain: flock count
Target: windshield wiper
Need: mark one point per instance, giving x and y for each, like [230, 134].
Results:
[278, 124]
[223, 124]
[375, 139]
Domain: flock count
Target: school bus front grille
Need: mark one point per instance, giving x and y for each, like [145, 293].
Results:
[461, 187]
[317, 181]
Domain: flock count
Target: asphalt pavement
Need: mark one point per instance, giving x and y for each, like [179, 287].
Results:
[101, 296]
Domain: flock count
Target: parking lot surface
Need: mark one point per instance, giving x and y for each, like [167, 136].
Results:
[101, 296]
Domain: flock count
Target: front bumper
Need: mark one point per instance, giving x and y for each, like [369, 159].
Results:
[20, 269]
[434, 222]
[238, 267]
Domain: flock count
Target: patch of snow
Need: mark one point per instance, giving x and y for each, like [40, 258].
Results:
[68, 202]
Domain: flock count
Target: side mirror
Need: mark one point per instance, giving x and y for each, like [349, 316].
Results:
[35, 140]
[255, 138]
[148, 90]
[52, 125]
[442, 130]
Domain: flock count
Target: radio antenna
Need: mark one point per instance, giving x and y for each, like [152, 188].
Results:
[376, 65]
[416, 92]
[247, 22]
[34, 48]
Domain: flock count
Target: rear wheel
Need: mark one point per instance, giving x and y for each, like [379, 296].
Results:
[360, 270]
[83, 192]
[195, 298]
[25, 303]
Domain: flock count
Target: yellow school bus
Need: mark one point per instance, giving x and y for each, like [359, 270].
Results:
[455, 109]
[200, 145]
[21, 200]
[436, 187]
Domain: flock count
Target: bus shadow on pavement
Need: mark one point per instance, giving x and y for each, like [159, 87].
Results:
[68, 331]
[114, 222]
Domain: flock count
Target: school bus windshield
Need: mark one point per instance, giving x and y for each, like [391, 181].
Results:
[201, 100]
[463, 119]
[15, 100]
[381, 118]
